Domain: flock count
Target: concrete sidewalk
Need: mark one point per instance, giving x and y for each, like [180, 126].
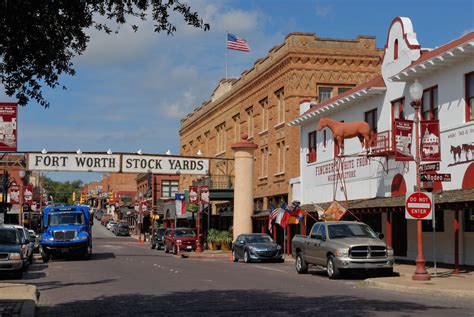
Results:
[18, 299]
[444, 283]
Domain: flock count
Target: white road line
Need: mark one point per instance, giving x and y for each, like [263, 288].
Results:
[269, 268]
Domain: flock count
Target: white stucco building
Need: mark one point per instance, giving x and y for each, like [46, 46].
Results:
[376, 185]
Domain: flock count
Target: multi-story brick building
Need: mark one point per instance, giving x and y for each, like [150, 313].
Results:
[264, 98]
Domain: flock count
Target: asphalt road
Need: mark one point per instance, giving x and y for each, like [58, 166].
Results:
[126, 278]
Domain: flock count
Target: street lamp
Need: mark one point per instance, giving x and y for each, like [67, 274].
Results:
[416, 92]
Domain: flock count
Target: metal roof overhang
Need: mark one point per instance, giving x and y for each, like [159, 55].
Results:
[337, 105]
[444, 59]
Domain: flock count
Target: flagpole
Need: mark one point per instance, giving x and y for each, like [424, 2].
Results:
[226, 52]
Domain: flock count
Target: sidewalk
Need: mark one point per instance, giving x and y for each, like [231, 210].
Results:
[445, 283]
[18, 299]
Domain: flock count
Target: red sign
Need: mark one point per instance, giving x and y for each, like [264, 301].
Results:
[403, 137]
[8, 126]
[435, 177]
[14, 194]
[419, 205]
[430, 141]
[193, 195]
[28, 194]
[204, 194]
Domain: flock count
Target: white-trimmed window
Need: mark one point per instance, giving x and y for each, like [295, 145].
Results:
[324, 93]
[429, 104]
[220, 138]
[169, 188]
[264, 112]
[281, 157]
[281, 106]
[250, 122]
[264, 162]
[236, 120]
[470, 96]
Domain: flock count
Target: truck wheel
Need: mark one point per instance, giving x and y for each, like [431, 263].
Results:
[45, 257]
[87, 253]
[234, 256]
[152, 246]
[386, 271]
[247, 257]
[175, 250]
[300, 264]
[332, 269]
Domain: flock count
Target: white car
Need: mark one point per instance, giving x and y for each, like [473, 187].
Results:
[109, 225]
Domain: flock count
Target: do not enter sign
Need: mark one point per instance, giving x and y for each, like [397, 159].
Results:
[419, 205]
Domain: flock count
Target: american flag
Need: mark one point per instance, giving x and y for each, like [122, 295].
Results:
[236, 43]
[273, 214]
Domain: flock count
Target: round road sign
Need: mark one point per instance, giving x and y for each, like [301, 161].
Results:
[418, 205]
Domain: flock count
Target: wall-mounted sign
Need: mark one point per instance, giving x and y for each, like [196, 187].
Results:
[430, 167]
[403, 139]
[164, 165]
[8, 126]
[193, 195]
[69, 162]
[28, 194]
[430, 141]
[204, 194]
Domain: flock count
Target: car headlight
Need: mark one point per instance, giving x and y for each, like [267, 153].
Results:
[342, 252]
[48, 238]
[389, 251]
[15, 256]
[179, 241]
[278, 247]
[81, 238]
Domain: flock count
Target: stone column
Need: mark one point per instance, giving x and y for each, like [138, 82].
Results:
[243, 185]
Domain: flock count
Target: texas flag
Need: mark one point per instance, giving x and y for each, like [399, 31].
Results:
[180, 200]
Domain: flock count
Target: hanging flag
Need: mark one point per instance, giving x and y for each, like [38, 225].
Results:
[180, 200]
[271, 216]
[281, 213]
[285, 217]
[236, 43]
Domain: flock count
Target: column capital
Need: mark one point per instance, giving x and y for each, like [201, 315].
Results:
[244, 143]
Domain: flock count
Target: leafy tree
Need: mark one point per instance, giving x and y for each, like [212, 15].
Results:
[39, 38]
[62, 191]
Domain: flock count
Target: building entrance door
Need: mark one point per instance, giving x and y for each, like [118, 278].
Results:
[399, 234]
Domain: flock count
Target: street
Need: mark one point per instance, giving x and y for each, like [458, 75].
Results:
[126, 278]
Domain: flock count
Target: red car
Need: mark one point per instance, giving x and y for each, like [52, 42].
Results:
[185, 238]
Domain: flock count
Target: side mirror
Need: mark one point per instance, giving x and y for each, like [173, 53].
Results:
[381, 236]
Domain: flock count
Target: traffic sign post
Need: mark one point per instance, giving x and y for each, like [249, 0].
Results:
[419, 205]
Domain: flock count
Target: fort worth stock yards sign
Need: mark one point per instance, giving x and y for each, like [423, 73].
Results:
[116, 163]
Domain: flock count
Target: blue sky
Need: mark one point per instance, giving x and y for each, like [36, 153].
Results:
[131, 89]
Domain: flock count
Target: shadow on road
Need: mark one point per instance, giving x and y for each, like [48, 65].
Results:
[232, 302]
[43, 286]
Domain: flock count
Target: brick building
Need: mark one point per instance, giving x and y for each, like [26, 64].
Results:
[264, 98]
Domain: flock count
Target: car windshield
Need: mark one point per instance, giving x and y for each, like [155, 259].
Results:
[65, 219]
[345, 230]
[8, 236]
[123, 226]
[258, 239]
[184, 233]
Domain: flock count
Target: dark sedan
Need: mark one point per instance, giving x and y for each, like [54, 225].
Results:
[256, 247]
[158, 239]
[121, 229]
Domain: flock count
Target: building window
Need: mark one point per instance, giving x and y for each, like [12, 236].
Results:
[281, 107]
[249, 121]
[169, 188]
[264, 162]
[281, 157]
[371, 119]
[427, 225]
[324, 93]
[469, 220]
[397, 109]
[395, 50]
[220, 138]
[470, 96]
[207, 136]
[429, 104]
[236, 120]
[342, 90]
[311, 158]
[264, 108]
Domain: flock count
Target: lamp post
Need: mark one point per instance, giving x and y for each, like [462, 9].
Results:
[416, 92]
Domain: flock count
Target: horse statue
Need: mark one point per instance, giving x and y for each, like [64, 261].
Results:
[456, 150]
[348, 130]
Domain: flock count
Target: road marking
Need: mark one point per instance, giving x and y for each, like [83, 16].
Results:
[269, 268]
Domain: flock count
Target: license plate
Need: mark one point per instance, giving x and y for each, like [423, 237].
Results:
[189, 247]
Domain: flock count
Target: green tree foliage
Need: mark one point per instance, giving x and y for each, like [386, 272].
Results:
[39, 38]
[62, 191]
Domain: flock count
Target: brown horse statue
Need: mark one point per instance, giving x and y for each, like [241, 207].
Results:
[348, 130]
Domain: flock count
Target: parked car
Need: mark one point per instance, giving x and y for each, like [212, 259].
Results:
[34, 238]
[121, 230]
[110, 224]
[27, 244]
[256, 247]
[158, 238]
[340, 246]
[184, 237]
[11, 254]
[105, 218]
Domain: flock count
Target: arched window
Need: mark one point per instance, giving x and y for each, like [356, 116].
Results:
[399, 187]
[395, 50]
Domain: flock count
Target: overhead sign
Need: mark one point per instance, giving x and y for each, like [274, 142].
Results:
[430, 141]
[69, 162]
[8, 126]
[164, 165]
[430, 167]
[435, 177]
[419, 205]
[14, 194]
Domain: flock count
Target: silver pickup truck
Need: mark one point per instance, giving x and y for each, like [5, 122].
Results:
[341, 245]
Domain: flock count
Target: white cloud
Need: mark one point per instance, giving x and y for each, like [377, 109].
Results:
[237, 21]
[323, 10]
[181, 106]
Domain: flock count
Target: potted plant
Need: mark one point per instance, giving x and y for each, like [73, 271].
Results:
[226, 238]
[211, 239]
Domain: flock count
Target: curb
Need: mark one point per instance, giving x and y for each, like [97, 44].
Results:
[417, 290]
[28, 309]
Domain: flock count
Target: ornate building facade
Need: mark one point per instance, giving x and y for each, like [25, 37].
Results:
[264, 98]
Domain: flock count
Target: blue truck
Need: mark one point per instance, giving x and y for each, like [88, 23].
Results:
[67, 231]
